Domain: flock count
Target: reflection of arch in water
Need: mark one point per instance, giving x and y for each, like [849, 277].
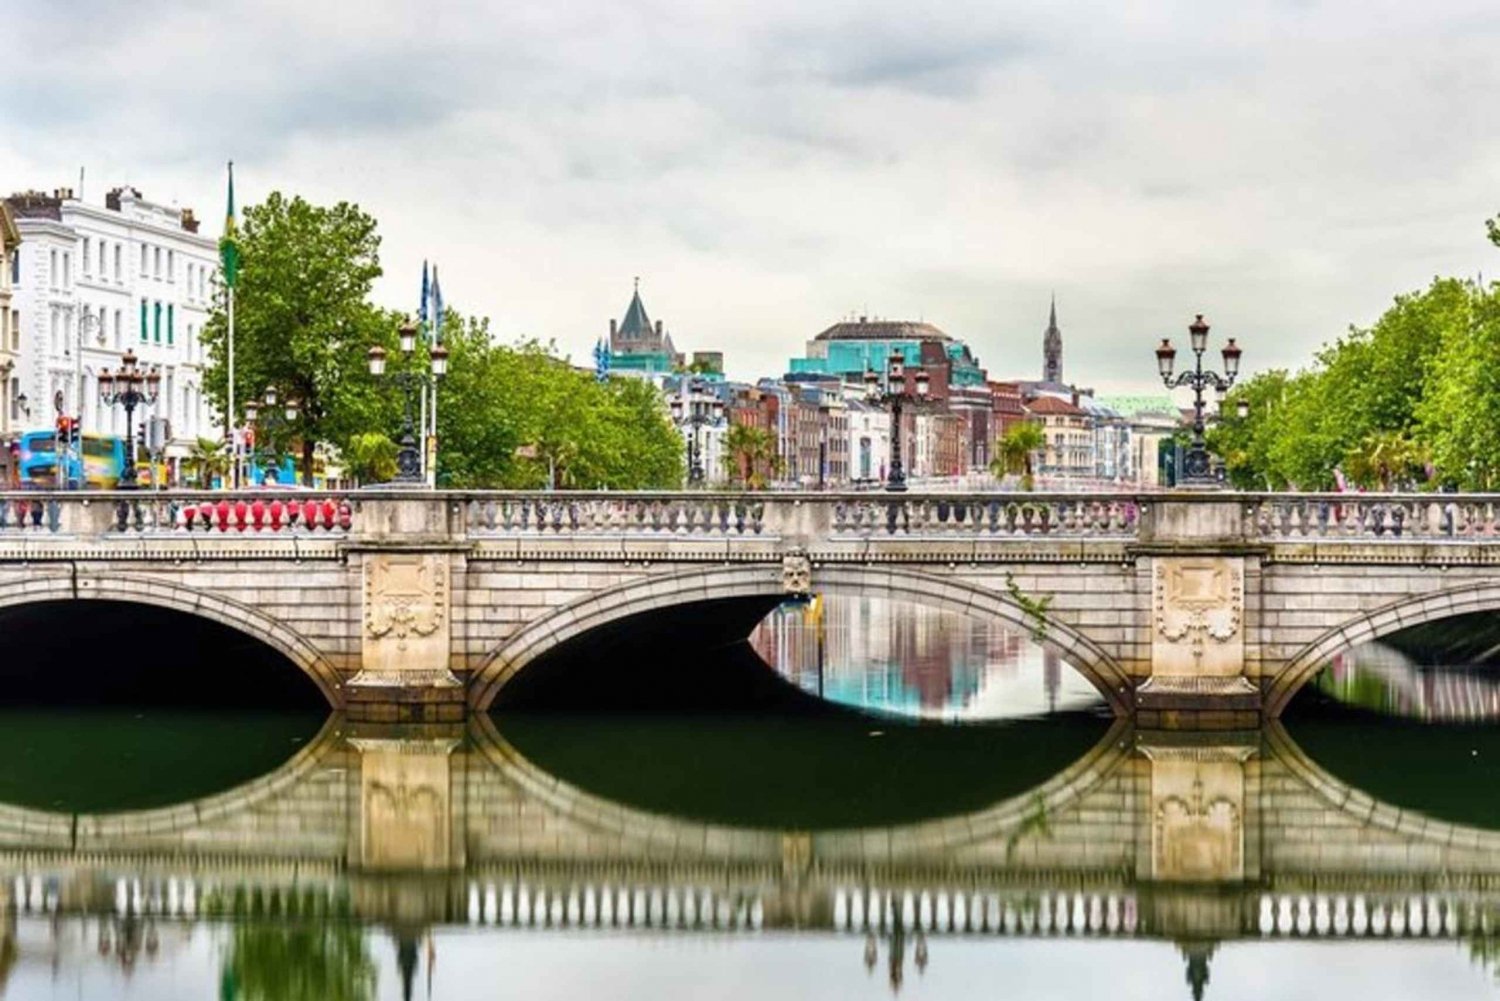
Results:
[162, 594]
[1404, 613]
[657, 835]
[1363, 812]
[714, 583]
[23, 827]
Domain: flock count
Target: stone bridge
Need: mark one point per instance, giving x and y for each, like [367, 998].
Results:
[1207, 609]
[1200, 837]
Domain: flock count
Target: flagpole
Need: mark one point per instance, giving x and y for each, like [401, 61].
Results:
[229, 429]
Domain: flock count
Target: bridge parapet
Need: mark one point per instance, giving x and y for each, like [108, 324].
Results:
[111, 513]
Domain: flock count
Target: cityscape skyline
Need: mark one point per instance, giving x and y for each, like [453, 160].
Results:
[767, 172]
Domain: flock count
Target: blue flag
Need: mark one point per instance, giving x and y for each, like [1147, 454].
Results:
[426, 293]
[437, 307]
[602, 359]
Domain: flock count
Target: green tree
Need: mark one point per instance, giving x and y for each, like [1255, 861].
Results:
[303, 321]
[750, 456]
[518, 416]
[1017, 453]
[1460, 412]
[371, 457]
[207, 458]
[1246, 443]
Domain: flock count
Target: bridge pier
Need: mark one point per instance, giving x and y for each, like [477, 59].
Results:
[1200, 672]
[405, 549]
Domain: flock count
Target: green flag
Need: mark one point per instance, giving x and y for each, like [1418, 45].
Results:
[229, 248]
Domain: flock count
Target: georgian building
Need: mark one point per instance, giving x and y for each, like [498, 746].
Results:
[1068, 429]
[95, 281]
[11, 411]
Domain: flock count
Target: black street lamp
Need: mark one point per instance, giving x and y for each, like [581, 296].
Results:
[271, 421]
[692, 408]
[888, 395]
[130, 387]
[1197, 468]
[408, 459]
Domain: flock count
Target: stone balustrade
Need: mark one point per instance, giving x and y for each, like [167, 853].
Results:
[90, 513]
[1372, 517]
[810, 517]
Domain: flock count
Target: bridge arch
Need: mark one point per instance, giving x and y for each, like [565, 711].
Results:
[653, 593]
[164, 594]
[1403, 613]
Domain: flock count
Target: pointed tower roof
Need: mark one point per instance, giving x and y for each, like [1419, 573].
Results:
[636, 322]
[1052, 317]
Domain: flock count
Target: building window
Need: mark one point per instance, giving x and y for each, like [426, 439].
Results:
[144, 331]
[101, 260]
[86, 257]
[156, 257]
[145, 260]
[156, 323]
[119, 327]
[117, 262]
[15, 266]
[171, 267]
[52, 269]
[171, 331]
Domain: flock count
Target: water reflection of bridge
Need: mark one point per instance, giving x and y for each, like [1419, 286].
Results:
[1145, 836]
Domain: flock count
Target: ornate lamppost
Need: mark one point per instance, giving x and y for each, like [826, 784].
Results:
[894, 394]
[694, 409]
[1197, 471]
[408, 459]
[130, 387]
[271, 420]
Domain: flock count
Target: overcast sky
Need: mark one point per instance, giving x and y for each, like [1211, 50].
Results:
[768, 167]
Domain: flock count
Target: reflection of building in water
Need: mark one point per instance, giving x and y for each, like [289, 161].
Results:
[914, 659]
[1380, 677]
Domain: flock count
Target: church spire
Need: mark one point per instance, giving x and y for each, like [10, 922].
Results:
[1052, 370]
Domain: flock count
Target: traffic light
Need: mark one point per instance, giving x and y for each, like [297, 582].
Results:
[140, 438]
[67, 430]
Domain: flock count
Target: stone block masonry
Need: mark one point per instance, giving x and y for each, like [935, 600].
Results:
[1191, 609]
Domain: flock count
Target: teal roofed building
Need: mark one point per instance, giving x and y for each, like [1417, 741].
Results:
[848, 348]
[639, 347]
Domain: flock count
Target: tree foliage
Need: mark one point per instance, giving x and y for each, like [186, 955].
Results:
[750, 456]
[1017, 453]
[303, 321]
[1413, 401]
[518, 416]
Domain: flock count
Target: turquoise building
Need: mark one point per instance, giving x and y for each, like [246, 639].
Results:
[846, 349]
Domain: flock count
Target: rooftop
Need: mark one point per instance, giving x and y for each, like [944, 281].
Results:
[866, 329]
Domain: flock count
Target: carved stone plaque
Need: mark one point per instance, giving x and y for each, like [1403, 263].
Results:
[406, 623]
[1197, 817]
[1197, 609]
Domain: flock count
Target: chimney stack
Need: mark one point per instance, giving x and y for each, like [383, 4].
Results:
[612, 330]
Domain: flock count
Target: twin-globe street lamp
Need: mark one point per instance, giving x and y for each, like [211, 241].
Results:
[290, 411]
[887, 395]
[408, 459]
[1197, 468]
[130, 387]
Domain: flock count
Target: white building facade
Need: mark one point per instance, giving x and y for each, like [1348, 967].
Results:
[93, 282]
